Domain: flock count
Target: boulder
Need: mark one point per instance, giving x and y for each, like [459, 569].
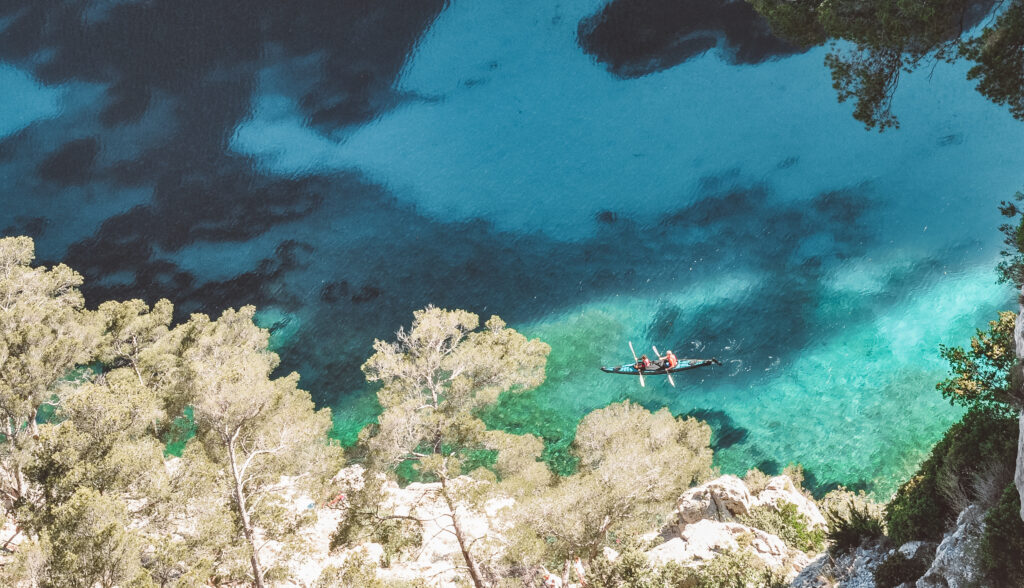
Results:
[720, 499]
[704, 540]
[955, 564]
[781, 489]
[922, 550]
[855, 569]
[1017, 379]
[1018, 477]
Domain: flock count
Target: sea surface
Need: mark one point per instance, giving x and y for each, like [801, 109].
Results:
[650, 171]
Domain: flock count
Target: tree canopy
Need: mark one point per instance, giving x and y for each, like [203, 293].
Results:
[435, 379]
[90, 400]
[886, 38]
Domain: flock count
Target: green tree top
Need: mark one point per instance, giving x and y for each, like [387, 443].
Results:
[633, 465]
[44, 332]
[891, 37]
[438, 375]
[435, 378]
[980, 376]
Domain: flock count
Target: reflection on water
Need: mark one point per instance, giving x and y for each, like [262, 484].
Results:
[341, 164]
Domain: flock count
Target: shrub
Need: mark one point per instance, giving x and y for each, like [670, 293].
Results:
[1003, 542]
[631, 568]
[921, 509]
[356, 572]
[852, 519]
[786, 522]
[980, 376]
[731, 569]
[898, 569]
[795, 472]
[756, 480]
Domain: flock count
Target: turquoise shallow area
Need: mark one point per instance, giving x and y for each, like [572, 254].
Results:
[857, 408]
[470, 154]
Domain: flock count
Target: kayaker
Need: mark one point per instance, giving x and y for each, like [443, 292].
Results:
[668, 361]
[643, 363]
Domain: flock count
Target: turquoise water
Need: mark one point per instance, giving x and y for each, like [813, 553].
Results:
[473, 155]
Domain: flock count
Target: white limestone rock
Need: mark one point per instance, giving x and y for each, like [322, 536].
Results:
[610, 554]
[855, 569]
[955, 564]
[1018, 379]
[781, 489]
[1018, 477]
[923, 550]
[721, 499]
[704, 540]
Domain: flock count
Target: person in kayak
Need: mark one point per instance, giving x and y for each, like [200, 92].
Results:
[643, 363]
[668, 361]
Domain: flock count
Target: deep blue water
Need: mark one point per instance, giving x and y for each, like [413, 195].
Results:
[648, 170]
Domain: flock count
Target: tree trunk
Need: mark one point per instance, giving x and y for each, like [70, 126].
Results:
[254, 558]
[474, 569]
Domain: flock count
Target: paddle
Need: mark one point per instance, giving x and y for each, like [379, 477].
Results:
[639, 372]
[670, 380]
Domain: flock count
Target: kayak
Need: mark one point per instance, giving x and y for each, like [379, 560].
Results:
[684, 364]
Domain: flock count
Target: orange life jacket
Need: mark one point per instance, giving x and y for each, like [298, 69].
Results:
[672, 361]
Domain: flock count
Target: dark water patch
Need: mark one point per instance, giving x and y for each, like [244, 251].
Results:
[769, 466]
[638, 37]
[842, 206]
[948, 140]
[788, 162]
[29, 226]
[332, 292]
[663, 326]
[366, 294]
[72, 164]
[127, 101]
[364, 44]
[724, 431]
[819, 489]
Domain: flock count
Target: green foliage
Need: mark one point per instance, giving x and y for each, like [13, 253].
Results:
[794, 20]
[1003, 542]
[981, 375]
[730, 569]
[631, 569]
[437, 377]
[999, 56]
[853, 519]
[795, 472]
[756, 481]
[89, 544]
[788, 524]
[357, 571]
[45, 333]
[886, 39]
[921, 508]
[897, 569]
[252, 430]
[633, 465]
[1011, 267]
[435, 380]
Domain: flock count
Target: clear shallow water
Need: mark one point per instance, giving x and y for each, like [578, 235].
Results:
[472, 155]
